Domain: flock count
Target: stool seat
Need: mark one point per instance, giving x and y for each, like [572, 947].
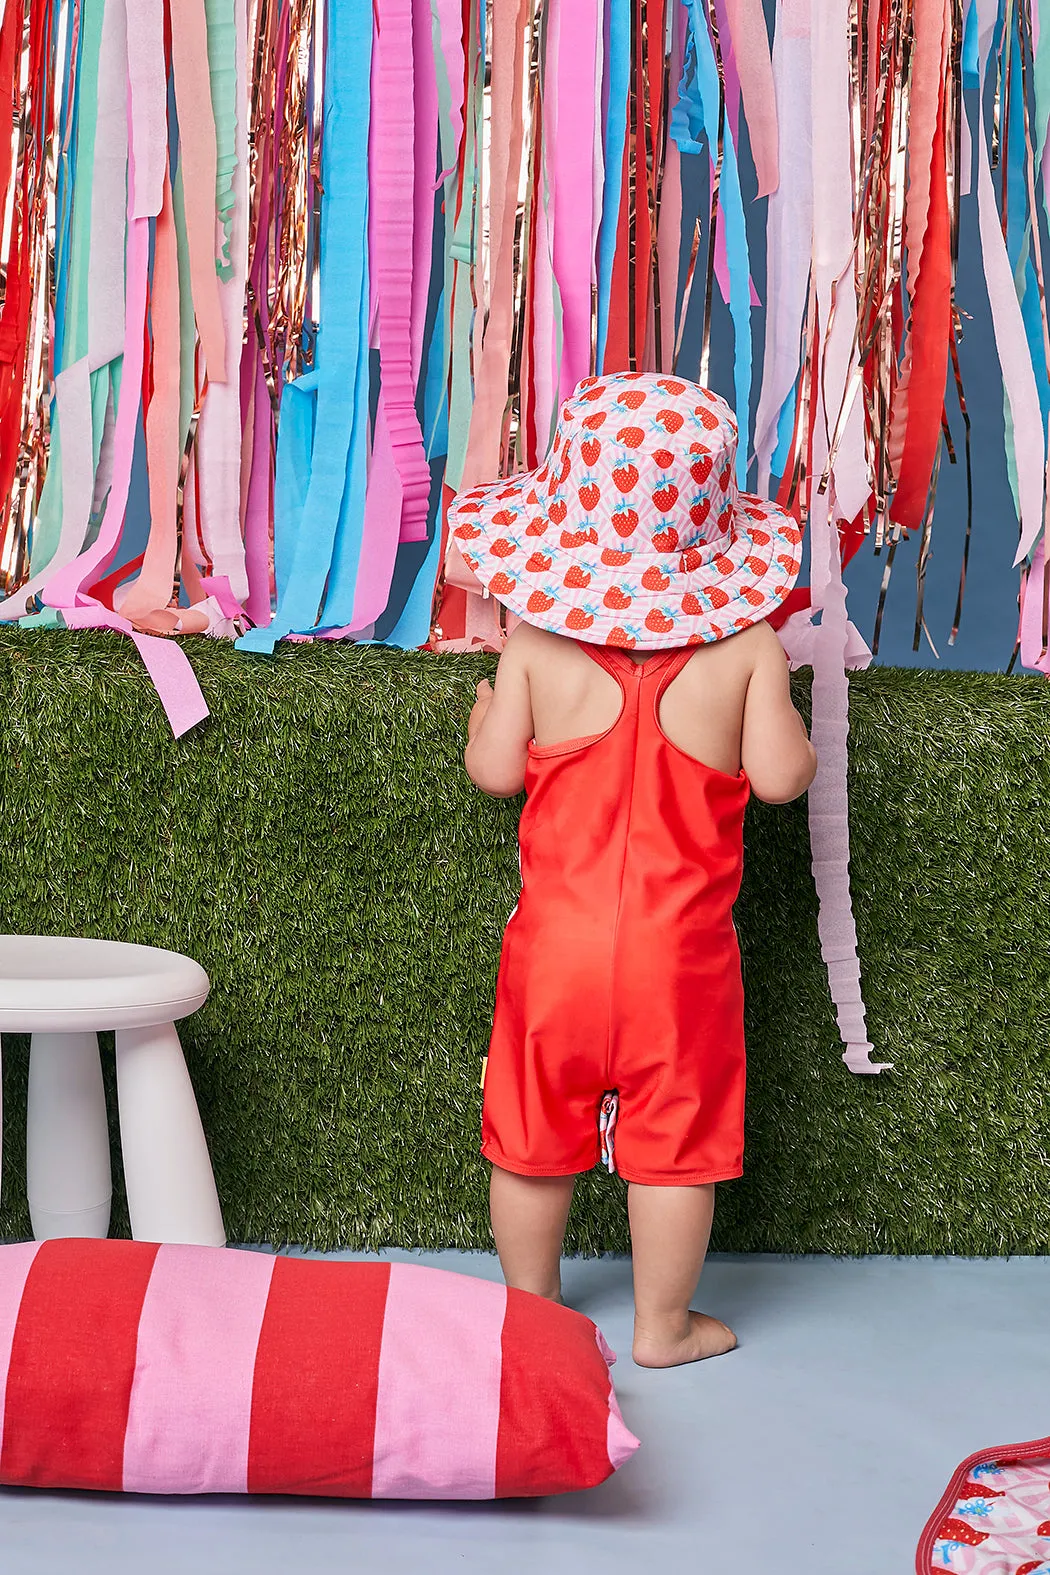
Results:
[62, 990]
[49, 984]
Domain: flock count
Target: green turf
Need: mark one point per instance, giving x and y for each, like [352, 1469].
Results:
[317, 846]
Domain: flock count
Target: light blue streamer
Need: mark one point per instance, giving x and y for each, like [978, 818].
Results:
[619, 73]
[319, 488]
[785, 432]
[413, 627]
[435, 387]
[339, 599]
[694, 120]
[970, 60]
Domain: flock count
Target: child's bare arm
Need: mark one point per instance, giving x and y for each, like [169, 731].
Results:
[776, 752]
[500, 727]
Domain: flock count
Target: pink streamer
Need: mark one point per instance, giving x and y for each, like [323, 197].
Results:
[829, 794]
[747, 30]
[789, 226]
[1031, 631]
[1011, 342]
[579, 29]
[149, 101]
[67, 590]
[219, 432]
[401, 161]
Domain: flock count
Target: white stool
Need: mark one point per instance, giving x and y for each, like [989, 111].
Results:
[63, 992]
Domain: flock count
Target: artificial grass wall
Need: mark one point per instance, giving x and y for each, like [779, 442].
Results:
[317, 846]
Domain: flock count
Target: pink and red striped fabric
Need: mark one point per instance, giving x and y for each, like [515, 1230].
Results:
[127, 1366]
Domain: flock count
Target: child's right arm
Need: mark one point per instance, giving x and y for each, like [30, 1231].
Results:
[775, 749]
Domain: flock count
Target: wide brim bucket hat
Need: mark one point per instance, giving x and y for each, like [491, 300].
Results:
[632, 531]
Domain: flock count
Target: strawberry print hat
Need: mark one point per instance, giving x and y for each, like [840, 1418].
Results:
[632, 531]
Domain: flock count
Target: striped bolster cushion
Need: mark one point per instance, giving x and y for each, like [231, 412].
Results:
[150, 1369]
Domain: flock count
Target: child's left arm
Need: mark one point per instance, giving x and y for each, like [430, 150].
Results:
[500, 728]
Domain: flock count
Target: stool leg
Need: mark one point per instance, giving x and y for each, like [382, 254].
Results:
[167, 1171]
[67, 1138]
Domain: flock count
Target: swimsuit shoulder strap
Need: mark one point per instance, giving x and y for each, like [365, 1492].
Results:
[610, 657]
[667, 667]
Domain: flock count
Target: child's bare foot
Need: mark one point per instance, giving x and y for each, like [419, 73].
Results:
[672, 1345]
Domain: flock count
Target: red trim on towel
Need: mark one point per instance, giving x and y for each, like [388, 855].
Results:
[1006, 1454]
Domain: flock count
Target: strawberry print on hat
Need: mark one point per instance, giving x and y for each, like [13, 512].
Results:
[632, 532]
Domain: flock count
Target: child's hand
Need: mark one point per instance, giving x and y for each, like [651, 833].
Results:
[481, 707]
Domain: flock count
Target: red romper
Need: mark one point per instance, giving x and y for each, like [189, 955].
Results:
[620, 968]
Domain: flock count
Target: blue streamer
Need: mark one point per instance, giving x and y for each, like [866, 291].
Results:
[970, 60]
[619, 73]
[694, 123]
[321, 453]
[785, 432]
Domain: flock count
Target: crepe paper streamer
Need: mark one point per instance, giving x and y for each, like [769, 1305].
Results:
[833, 246]
[398, 490]
[789, 232]
[482, 458]
[448, 37]
[618, 72]
[198, 162]
[578, 28]
[747, 29]
[152, 589]
[219, 433]
[831, 374]
[698, 114]
[67, 590]
[828, 798]
[319, 498]
[149, 96]
[227, 24]
[1007, 323]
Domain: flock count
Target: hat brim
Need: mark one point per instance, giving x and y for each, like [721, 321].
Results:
[524, 565]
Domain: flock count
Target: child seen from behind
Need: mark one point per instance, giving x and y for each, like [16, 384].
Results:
[638, 703]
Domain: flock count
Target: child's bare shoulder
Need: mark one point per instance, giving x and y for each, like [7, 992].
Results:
[746, 651]
[538, 650]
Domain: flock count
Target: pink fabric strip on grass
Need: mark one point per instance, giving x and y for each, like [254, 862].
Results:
[18, 1261]
[191, 1397]
[437, 1411]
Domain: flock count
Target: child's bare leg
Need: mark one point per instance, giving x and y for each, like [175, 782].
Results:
[529, 1214]
[670, 1229]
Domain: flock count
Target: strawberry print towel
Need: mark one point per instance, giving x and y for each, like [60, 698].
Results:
[994, 1516]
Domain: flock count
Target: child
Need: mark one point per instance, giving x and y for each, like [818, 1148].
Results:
[638, 703]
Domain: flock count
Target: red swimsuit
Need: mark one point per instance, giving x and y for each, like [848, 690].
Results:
[620, 968]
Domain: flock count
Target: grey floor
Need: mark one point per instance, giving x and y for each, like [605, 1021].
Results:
[820, 1446]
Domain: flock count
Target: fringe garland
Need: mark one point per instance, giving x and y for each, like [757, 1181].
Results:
[306, 267]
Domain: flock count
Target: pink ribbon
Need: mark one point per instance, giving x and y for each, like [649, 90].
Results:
[166, 663]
